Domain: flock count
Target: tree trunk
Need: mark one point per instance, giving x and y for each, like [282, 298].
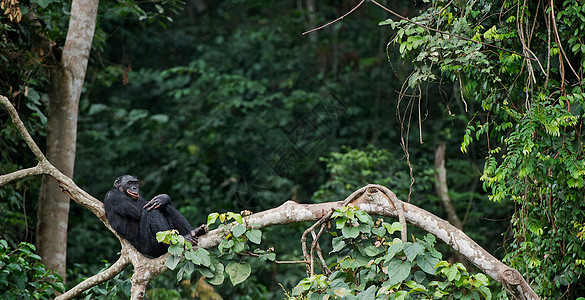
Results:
[64, 93]
[442, 188]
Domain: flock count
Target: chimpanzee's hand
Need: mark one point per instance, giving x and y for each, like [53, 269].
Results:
[158, 201]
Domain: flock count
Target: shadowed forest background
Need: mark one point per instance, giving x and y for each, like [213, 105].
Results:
[228, 107]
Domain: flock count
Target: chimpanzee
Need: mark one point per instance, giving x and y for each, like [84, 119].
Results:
[138, 221]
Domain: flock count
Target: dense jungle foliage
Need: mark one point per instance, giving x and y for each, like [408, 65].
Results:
[226, 106]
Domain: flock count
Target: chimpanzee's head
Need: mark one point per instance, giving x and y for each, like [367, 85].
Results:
[127, 184]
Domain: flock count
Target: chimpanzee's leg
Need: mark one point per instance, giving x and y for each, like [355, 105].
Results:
[152, 222]
[177, 221]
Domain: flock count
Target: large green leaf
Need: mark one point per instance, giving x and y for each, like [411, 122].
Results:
[238, 230]
[411, 250]
[254, 235]
[350, 232]
[398, 271]
[238, 272]
[427, 263]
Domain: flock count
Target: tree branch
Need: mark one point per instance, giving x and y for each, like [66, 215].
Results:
[94, 280]
[373, 199]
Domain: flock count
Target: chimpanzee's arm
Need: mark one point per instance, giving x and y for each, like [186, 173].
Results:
[158, 201]
[118, 203]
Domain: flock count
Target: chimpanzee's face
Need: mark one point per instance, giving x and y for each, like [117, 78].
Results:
[128, 184]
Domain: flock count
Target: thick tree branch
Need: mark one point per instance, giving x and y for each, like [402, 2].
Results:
[373, 199]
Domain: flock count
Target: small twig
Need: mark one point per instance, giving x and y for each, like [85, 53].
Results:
[315, 246]
[345, 15]
[309, 256]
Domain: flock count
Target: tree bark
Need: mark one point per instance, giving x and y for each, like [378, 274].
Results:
[64, 93]
[442, 188]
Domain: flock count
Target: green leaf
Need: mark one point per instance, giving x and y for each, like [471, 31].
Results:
[189, 255]
[254, 235]
[204, 271]
[394, 248]
[137, 114]
[160, 236]
[372, 250]
[43, 3]
[427, 263]
[211, 218]
[203, 256]
[238, 272]
[235, 216]
[364, 217]
[340, 223]
[219, 276]
[411, 250]
[368, 294]
[350, 232]
[20, 281]
[238, 230]
[392, 228]
[160, 118]
[486, 292]
[172, 261]
[453, 273]
[387, 22]
[380, 231]
[419, 276]
[189, 268]
[399, 271]
[239, 247]
[267, 256]
[338, 243]
[400, 295]
[176, 249]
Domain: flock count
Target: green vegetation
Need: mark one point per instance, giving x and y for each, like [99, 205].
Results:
[370, 264]
[22, 276]
[225, 106]
[530, 114]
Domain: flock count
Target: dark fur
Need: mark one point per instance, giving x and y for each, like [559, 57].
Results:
[138, 221]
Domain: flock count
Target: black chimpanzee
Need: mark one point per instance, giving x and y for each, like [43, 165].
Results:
[138, 221]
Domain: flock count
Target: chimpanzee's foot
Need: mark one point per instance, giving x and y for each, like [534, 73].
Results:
[191, 238]
[195, 233]
[199, 231]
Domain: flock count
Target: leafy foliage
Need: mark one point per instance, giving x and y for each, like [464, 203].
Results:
[372, 265]
[207, 263]
[23, 276]
[530, 88]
